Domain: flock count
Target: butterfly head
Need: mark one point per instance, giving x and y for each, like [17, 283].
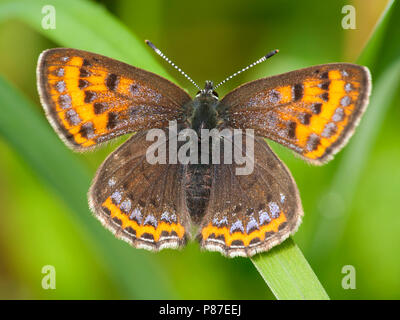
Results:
[208, 91]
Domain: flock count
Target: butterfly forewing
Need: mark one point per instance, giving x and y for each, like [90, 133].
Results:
[247, 214]
[139, 202]
[312, 111]
[90, 98]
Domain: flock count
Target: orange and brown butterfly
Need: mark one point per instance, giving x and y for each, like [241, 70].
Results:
[90, 99]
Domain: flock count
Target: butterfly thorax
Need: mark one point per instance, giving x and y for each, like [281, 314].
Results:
[204, 114]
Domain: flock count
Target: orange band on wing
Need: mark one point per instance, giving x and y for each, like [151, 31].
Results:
[273, 226]
[141, 229]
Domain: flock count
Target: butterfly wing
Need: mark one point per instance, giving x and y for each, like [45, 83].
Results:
[248, 214]
[90, 98]
[312, 111]
[139, 202]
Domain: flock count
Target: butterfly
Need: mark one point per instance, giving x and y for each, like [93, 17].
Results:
[90, 99]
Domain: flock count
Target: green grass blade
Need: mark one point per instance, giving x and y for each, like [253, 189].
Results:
[135, 273]
[372, 47]
[288, 273]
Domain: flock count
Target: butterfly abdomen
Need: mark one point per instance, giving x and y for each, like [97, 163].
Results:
[197, 189]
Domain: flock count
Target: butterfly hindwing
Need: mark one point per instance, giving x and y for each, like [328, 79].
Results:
[139, 202]
[312, 111]
[248, 214]
[90, 98]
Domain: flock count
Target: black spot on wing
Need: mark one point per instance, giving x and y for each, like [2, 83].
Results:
[90, 96]
[86, 63]
[292, 129]
[83, 83]
[238, 243]
[313, 142]
[325, 96]
[324, 75]
[87, 130]
[100, 107]
[147, 236]
[325, 85]
[298, 91]
[316, 108]
[112, 120]
[305, 118]
[112, 81]
[84, 73]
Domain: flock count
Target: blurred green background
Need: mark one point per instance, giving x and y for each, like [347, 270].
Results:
[351, 205]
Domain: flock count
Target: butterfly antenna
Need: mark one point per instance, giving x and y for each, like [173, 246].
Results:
[268, 55]
[162, 55]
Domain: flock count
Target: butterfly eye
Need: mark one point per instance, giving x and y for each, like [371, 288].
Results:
[215, 94]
